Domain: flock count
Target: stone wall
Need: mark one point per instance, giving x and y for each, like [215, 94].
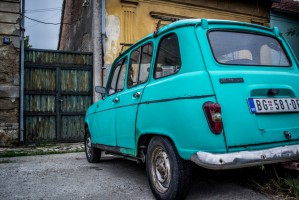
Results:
[9, 72]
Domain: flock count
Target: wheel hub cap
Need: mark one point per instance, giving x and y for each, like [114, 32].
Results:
[160, 169]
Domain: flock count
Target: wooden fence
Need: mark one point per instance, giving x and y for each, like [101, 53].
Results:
[58, 90]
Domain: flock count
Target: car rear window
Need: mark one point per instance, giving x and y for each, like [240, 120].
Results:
[238, 48]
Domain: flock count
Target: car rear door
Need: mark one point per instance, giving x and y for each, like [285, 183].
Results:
[256, 82]
[137, 76]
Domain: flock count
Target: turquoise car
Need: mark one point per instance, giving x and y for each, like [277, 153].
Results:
[221, 94]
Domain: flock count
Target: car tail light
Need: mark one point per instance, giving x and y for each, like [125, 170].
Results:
[213, 115]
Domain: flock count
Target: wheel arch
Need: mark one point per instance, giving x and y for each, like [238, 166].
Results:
[86, 128]
[87, 123]
[143, 141]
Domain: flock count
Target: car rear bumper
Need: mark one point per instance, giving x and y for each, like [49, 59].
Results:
[246, 158]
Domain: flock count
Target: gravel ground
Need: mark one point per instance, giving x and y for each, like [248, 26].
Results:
[70, 176]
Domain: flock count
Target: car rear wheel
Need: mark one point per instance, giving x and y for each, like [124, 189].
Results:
[93, 155]
[168, 174]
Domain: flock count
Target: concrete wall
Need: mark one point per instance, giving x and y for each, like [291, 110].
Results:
[284, 22]
[9, 72]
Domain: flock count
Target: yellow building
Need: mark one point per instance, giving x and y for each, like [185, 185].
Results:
[119, 23]
[127, 21]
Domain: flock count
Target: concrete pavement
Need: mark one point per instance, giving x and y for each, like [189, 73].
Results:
[70, 176]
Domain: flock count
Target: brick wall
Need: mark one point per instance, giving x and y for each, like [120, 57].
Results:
[9, 72]
[76, 32]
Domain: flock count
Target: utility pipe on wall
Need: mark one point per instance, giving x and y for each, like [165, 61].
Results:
[97, 47]
[22, 58]
[103, 33]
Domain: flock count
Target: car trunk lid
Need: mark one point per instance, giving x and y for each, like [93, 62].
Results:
[256, 84]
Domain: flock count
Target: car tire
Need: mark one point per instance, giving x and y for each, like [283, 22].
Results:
[168, 174]
[93, 155]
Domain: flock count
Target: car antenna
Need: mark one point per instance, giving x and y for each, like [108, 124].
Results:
[124, 45]
[164, 19]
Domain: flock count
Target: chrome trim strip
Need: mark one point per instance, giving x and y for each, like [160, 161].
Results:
[177, 98]
[243, 159]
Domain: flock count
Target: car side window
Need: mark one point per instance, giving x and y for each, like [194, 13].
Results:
[117, 80]
[145, 63]
[121, 76]
[133, 68]
[140, 62]
[168, 57]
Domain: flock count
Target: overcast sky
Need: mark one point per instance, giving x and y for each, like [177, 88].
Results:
[43, 36]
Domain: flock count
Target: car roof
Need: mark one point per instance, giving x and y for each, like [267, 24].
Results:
[193, 22]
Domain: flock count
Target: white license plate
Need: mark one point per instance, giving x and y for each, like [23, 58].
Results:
[273, 105]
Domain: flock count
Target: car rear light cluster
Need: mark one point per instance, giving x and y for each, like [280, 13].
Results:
[213, 115]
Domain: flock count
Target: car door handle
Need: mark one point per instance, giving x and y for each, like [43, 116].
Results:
[136, 95]
[116, 100]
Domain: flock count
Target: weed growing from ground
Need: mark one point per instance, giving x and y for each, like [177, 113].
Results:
[277, 181]
[272, 180]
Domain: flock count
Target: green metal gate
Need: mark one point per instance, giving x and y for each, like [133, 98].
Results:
[58, 90]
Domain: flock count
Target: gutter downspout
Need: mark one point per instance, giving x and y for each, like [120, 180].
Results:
[22, 28]
[103, 17]
[97, 47]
